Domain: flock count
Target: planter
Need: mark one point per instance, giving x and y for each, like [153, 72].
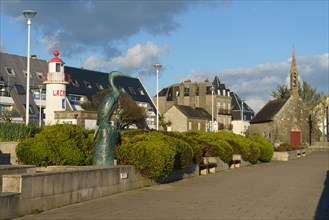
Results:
[289, 155]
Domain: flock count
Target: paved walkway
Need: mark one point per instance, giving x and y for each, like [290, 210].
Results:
[298, 189]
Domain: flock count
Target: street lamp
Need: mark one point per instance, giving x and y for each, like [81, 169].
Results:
[40, 94]
[212, 107]
[29, 15]
[242, 100]
[157, 67]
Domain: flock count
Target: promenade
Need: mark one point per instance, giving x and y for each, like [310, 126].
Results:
[297, 189]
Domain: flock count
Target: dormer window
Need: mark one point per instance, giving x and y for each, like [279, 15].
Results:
[75, 83]
[10, 71]
[132, 90]
[141, 91]
[99, 86]
[88, 85]
[39, 75]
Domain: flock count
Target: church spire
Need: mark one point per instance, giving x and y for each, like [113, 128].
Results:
[293, 74]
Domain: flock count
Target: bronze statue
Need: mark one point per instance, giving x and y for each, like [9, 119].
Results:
[108, 135]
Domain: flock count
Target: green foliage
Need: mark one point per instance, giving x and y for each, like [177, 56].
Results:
[148, 151]
[266, 149]
[309, 95]
[16, 132]
[57, 145]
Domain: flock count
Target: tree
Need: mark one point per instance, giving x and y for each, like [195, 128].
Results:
[127, 111]
[309, 95]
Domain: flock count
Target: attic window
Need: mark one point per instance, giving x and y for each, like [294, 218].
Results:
[141, 91]
[25, 73]
[39, 75]
[99, 86]
[132, 90]
[75, 83]
[10, 71]
[88, 85]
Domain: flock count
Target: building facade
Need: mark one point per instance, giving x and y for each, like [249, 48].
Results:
[225, 106]
[49, 79]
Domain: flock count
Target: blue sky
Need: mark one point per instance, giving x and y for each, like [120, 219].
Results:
[247, 44]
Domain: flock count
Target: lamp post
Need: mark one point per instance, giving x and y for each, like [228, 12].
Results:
[29, 15]
[310, 127]
[212, 107]
[242, 100]
[40, 94]
[157, 67]
[327, 117]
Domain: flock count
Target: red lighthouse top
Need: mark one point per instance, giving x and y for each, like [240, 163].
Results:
[56, 59]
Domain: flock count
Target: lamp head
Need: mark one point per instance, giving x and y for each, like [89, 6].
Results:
[29, 14]
[157, 66]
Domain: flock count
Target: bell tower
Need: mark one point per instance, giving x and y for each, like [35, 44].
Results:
[294, 75]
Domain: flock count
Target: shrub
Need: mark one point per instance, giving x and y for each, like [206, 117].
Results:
[266, 149]
[149, 152]
[57, 145]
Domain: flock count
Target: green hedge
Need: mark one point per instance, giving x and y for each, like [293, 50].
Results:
[154, 153]
[57, 145]
[266, 149]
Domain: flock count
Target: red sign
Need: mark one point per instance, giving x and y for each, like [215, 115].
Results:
[59, 93]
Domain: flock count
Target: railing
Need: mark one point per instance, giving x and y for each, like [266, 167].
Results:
[223, 111]
[56, 77]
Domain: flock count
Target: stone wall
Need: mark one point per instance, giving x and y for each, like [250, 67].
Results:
[8, 153]
[23, 193]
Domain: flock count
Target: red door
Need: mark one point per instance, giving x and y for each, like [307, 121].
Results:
[295, 138]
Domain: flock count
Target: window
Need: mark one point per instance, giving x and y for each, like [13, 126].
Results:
[132, 90]
[39, 75]
[63, 103]
[75, 83]
[199, 126]
[10, 71]
[88, 85]
[189, 125]
[99, 86]
[141, 91]
[25, 73]
[58, 67]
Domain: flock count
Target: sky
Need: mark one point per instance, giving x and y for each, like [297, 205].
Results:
[247, 44]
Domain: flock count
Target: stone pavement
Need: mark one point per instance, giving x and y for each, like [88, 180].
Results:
[297, 189]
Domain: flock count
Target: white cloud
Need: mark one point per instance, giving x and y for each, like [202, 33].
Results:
[138, 59]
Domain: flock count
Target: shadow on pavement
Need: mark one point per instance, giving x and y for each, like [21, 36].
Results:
[322, 211]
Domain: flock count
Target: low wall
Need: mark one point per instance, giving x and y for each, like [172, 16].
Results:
[23, 193]
[8, 153]
[13, 169]
[289, 155]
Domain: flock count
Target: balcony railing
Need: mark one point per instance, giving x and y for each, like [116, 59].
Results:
[223, 111]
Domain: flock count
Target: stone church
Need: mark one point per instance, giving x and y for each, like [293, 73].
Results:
[287, 119]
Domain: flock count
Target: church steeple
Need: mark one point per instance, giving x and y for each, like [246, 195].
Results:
[293, 74]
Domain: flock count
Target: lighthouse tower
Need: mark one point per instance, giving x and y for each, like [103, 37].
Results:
[55, 89]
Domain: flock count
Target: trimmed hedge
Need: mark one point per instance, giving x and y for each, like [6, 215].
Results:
[155, 154]
[57, 145]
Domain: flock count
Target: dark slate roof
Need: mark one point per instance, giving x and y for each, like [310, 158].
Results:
[267, 113]
[196, 113]
[236, 108]
[90, 81]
